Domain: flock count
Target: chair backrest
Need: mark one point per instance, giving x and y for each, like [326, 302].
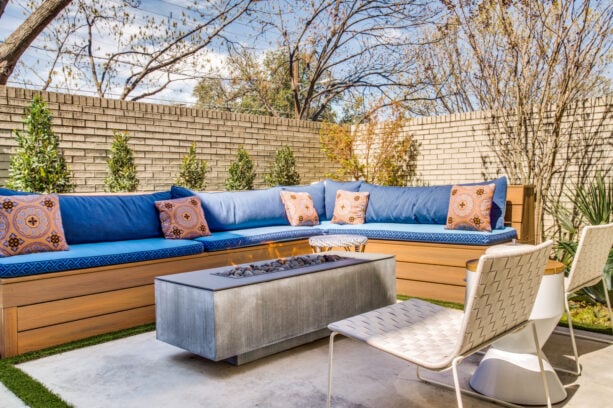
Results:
[591, 256]
[505, 292]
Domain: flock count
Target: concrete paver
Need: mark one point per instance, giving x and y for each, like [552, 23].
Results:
[140, 371]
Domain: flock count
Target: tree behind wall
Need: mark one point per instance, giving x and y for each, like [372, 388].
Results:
[122, 169]
[283, 169]
[377, 151]
[531, 64]
[192, 173]
[241, 173]
[38, 165]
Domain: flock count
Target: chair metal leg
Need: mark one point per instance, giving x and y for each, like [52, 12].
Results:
[606, 295]
[330, 356]
[456, 381]
[539, 353]
[572, 337]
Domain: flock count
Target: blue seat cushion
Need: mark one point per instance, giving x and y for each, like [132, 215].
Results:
[232, 210]
[317, 192]
[253, 236]
[332, 187]
[424, 205]
[9, 192]
[421, 233]
[96, 254]
[106, 218]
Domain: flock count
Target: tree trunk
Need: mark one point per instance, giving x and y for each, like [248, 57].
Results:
[16, 43]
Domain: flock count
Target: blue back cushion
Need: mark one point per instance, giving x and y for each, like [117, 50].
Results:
[332, 187]
[108, 218]
[410, 205]
[424, 205]
[317, 192]
[230, 210]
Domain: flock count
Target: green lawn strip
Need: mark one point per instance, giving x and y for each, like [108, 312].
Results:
[30, 391]
[35, 394]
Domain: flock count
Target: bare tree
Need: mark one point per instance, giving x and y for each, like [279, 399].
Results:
[336, 47]
[119, 48]
[530, 64]
[18, 41]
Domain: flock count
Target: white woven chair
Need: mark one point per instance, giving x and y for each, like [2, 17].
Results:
[438, 338]
[587, 270]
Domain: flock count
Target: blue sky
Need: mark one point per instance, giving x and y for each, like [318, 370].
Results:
[171, 10]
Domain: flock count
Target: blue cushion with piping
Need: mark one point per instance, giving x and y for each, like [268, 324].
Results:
[421, 233]
[106, 218]
[231, 210]
[96, 254]
[221, 240]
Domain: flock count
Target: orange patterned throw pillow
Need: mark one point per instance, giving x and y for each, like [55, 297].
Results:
[299, 208]
[30, 223]
[182, 218]
[350, 207]
[469, 207]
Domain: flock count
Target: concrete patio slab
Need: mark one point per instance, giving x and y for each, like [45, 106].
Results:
[8, 399]
[140, 371]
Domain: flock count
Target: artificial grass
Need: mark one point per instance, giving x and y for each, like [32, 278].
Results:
[35, 394]
[30, 391]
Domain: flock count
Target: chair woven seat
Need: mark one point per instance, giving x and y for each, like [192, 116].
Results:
[417, 331]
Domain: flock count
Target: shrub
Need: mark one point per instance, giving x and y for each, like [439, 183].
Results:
[242, 172]
[38, 165]
[122, 170]
[376, 151]
[192, 173]
[592, 204]
[283, 169]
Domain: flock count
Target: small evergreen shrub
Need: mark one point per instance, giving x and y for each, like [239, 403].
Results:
[122, 170]
[192, 173]
[241, 173]
[283, 169]
[38, 165]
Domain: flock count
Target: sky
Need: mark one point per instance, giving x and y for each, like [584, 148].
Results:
[38, 60]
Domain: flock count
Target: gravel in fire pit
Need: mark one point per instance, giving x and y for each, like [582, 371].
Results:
[278, 265]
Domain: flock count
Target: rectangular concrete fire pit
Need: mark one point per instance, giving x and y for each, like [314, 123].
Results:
[240, 320]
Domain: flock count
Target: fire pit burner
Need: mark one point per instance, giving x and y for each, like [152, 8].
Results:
[277, 265]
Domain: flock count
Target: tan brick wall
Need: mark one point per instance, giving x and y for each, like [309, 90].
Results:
[451, 151]
[161, 136]
[452, 146]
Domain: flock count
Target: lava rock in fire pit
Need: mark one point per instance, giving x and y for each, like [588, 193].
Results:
[278, 265]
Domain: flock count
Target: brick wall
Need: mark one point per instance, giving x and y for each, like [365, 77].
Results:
[452, 146]
[451, 151]
[161, 136]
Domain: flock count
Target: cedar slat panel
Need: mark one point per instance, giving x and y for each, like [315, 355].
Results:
[430, 290]
[66, 310]
[37, 339]
[516, 193]
[514, 214]
[434, 254]
[430, 273]
[8, 332]
[96, 280]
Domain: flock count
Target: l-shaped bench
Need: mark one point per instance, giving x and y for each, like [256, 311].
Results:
[42, 310]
